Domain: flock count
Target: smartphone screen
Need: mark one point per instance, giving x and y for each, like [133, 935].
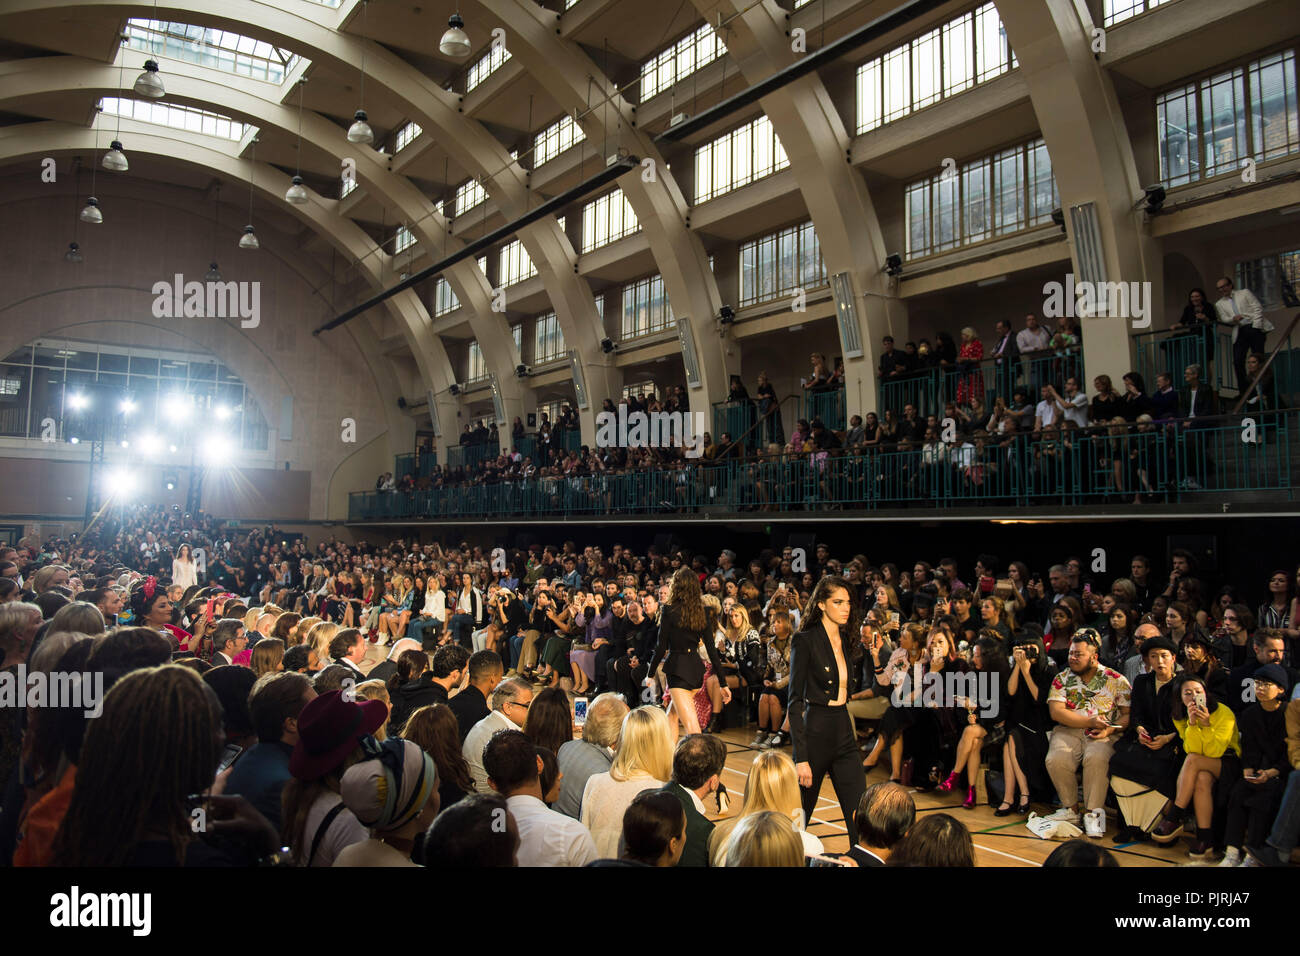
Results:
[228, 756]
[579, 711]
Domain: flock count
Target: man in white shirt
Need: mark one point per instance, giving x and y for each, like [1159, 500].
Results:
[510, 702]
[1029, 340]
[1240, 309]
[1046, 414]
[1073, 405]
[546, 838]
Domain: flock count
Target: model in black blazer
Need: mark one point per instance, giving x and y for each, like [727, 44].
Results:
[678, 650]
[814, 679]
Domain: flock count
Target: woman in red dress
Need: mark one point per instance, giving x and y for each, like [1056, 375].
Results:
[971, 352]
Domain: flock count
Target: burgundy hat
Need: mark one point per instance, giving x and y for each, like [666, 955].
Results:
[329, 728]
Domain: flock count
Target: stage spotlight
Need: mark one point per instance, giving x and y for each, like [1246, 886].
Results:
[217, 451]
[223, 412]
[172, 449]
[170, 481]
[178, 407]
[127, 406]
[78, 401]
[119, 483]
[124, 443]
[150, 444]
[74, 440]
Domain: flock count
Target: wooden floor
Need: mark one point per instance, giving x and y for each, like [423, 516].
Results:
[999, 841]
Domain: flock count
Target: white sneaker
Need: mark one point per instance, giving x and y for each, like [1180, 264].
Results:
[1231, 857]
[1065, 815]
[774, 741]
[759, 740]
[1094, 823]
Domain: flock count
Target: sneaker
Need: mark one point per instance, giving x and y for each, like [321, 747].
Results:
[776, 741]
[759, 740]
[1263, 855]
[1066, 815]
[1094, 823]
[1231, 857]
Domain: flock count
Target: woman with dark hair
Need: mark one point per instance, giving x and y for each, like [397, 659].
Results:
[1080, 854]
[685, 644]
[1150, 753]
[936, 839]
[1117, 636]
[1028, 721]
[1065, 619]
[1200, 659]
[1209, 736]
[985, 713]
[1136, 401]
[157, 741]
[932, 739]
[549, 722]
[436, 730]
[411, 687]
[150, 608]
[821, 682]
[1275, 612]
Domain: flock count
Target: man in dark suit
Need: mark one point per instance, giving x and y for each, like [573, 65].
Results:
[885, 812]
[228, 639]
[697, 766]
[471, 704]
[1006, 359]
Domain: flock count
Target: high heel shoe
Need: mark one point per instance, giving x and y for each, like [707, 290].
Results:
[724, 800]
[948, 783]
[1022, 807]
[1004, 810]
[969, 802]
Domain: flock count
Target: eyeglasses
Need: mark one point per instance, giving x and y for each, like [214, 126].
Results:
[523, 706]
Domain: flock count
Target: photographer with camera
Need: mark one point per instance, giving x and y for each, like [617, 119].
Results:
[1028, 721]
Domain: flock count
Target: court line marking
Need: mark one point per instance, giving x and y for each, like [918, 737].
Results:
[1012, 856]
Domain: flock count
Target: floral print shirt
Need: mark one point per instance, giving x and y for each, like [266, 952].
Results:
[1103, 696]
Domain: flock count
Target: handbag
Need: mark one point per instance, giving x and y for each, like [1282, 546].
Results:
[996, 785]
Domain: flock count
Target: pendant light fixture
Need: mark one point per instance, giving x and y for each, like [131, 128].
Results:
[149, 83]
[115, 159]
[249, 239]
[73, 254]
[455, 42]
[360, 131]
[297, 193]
[90, 213]
[214, 273]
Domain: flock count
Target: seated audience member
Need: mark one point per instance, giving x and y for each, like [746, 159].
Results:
[395, 794]
[297, 659]
[546, 838]
[1090, 705]
[157, 741]
[233, 685]
[331, 734]
[698, 762]
[1268, 647]
[1210, 740]
[937, 839]
[1081, 854]
[510, 702]
[884, 815]
[411, 686]
[549, 723]
[654, 831]
[1199, 659]
[388, 667]
[348, 648]
[267, 657]
[1276, 850]
[434, 728]
[1149, 753]
[260, 773]
[450, 667]
[772, 785]
[643, 760]
[375, 690]
[334, 677]
[469, 834]
[765, 839]
[228, 639]
[471, 704]
[1136, 663]
[1255, 798]
[580, 759]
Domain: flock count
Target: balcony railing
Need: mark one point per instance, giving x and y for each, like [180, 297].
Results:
[1162, 463]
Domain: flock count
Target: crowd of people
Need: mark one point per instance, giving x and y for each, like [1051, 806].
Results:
[1012, 418]
[558, 705]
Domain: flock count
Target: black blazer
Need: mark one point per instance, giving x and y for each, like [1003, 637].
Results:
[698, 828]
[863, 858]
[814, 679]
[678, 649]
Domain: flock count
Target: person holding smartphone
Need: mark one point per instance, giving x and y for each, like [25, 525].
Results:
[1209, 737]
[1254, 801]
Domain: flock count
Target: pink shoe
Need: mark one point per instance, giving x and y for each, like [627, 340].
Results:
[949, 783]
[969, 802]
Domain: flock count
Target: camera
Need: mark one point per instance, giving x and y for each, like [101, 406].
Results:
[1031, 651]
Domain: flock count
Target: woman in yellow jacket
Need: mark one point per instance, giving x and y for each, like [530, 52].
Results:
[1208, 731]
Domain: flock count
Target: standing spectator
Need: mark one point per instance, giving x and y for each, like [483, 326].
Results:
[1006, 359]
[769, 409]
[1240, 309]
[971, 353]
[1033, 338]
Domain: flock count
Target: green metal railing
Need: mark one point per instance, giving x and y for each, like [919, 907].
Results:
[829, 406]
[1172, 350]
[467, 456]
[932, 388]
[1161, 463]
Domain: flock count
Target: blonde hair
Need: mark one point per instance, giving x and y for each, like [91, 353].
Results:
[645, 745]
[250, 618]
[765, 839]
[375, 690]
[737, 633]
[318, 641]
[772, 786]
